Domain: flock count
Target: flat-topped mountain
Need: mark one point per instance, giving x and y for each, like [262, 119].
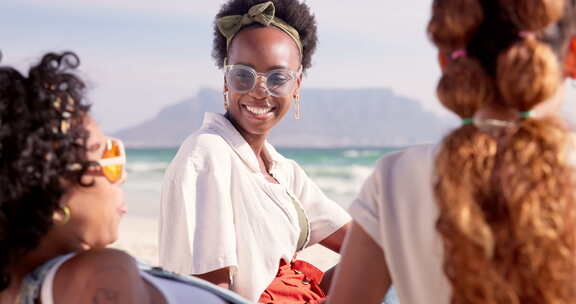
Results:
[330, 118]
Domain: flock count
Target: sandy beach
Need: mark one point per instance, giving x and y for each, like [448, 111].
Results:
[139, 237]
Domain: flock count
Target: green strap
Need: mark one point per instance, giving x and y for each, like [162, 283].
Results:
[263, 13]
[303, 221]
[526, 114]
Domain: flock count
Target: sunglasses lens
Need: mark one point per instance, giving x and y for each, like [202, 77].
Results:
[113, 172]
[280, 83]
[112, 149]
[241, 79]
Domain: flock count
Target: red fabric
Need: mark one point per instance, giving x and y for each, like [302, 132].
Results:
[295, 283]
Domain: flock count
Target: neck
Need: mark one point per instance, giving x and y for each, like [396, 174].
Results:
[256, 141]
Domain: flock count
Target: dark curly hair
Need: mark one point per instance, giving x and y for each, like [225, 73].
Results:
[42, 143]
[295, 13]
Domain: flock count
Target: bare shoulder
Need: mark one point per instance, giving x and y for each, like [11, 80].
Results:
[100, 276]
[408, 161]
[96, 257]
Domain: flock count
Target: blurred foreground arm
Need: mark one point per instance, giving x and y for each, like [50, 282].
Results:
[362, 275]
[333, 242]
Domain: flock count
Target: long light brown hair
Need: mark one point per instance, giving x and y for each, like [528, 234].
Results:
[507, 201]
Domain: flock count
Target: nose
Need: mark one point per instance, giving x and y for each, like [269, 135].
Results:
[260, 90]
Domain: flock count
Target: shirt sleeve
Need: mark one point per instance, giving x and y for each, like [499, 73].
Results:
[366, 210]
[325, 215]
[197, 233]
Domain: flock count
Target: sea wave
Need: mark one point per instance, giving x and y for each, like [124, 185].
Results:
[361, 153]
[347, 172]
[145, 167]
[340, 183]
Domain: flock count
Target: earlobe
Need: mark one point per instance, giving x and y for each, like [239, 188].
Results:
[298, 84]
[62, 215]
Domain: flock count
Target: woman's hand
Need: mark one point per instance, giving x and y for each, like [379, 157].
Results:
[362, 275]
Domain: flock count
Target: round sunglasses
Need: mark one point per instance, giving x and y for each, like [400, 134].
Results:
[243, 79]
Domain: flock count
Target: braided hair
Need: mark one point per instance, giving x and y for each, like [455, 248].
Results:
[507, 203]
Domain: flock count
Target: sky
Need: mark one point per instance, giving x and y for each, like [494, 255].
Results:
[139, 56]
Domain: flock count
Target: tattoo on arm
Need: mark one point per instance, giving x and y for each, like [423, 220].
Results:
[108, 284]
[113, 281]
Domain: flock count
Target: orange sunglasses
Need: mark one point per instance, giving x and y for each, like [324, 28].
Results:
[113, 161]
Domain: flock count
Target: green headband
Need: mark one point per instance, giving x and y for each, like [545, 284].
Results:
[262, 13]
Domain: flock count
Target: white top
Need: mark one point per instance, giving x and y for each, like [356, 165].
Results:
[217, 210]
[396, 207]
[173, 292]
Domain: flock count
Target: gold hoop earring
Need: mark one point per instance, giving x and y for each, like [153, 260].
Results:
[62, 219]
[226, 104]
[297, 112]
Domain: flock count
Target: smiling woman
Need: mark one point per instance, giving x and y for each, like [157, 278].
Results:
[257, 102]
[234, 211]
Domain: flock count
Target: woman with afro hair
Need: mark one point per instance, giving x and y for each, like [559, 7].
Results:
[233, 210]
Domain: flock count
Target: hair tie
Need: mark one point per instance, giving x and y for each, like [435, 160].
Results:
[458, 54]
[527, 114]
[496, 122]
[482, 123]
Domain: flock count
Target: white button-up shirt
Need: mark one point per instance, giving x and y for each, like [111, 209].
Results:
[217, 211]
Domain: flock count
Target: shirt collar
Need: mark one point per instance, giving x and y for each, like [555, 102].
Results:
[223, 127]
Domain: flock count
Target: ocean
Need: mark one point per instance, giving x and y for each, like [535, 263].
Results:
[340, 173]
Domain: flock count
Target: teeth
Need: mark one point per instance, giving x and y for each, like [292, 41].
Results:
[258, 111]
